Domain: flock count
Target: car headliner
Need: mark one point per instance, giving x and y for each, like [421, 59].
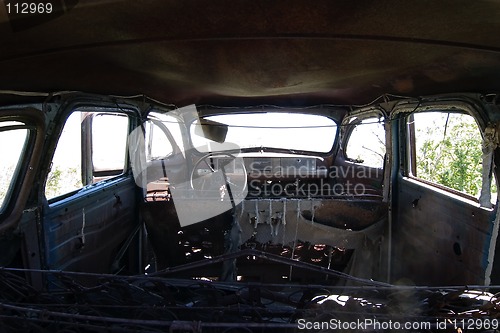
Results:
[246, 52]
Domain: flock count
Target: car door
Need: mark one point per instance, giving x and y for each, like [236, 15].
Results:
[165, 154]
[90, 220]
[443, 234]
[361, 168]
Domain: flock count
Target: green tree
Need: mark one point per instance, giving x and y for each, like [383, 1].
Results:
[449, 151]
[61, 181]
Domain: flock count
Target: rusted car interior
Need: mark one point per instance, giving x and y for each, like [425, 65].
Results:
[249, 166]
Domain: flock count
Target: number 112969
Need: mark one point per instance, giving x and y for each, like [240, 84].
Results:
[29, 7]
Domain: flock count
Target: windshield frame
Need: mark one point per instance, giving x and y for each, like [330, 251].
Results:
[280, 150]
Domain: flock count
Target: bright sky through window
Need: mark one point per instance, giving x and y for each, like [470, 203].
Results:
[292, 131]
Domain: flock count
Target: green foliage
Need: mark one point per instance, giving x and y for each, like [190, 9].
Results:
[449, 151]
[61, 181]
[3, 194]
[54, 180]
[6, 173]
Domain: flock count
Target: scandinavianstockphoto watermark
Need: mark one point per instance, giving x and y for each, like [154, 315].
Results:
[308, 171]
[266, 181]
[304, 189]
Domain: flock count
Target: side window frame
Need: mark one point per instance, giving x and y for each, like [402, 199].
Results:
[86, 172]
[350, 123]
[154, 123]
[89, 172]
[410, 156]
[24, 177]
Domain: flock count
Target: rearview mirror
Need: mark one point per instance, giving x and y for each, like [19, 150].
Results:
[212, 130]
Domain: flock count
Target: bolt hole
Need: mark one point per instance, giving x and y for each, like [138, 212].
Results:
[457, 249]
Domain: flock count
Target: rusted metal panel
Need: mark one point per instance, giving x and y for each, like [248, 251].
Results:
[439, 239]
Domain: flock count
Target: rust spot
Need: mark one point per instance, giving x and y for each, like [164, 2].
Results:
[343, 214]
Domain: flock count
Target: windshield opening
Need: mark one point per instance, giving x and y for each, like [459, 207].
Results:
[292, 131]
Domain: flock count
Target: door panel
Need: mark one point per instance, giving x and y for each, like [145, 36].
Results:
[439, 238]
[358, 179]
[83, 232]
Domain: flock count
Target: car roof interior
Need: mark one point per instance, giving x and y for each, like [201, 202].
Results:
[247, 52]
